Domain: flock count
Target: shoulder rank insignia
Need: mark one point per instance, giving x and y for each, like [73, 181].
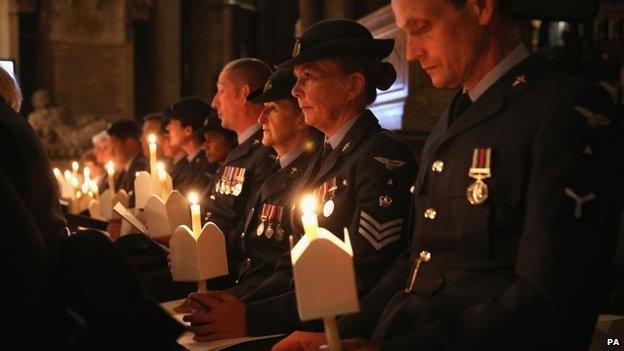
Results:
[593, 119]
[346, 146]
[519, 80]
[293, 170]
[391, 165]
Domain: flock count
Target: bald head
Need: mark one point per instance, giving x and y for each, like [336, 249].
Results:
[249, 71]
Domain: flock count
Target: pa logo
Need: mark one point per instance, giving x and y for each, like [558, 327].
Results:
[613, 342]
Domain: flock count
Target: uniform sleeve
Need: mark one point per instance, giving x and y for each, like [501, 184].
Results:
[569, 223]
[382, 205]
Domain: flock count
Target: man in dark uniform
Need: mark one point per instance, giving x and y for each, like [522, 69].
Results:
[515, 204]
[362, 185]
[125, 140]
[239, 178]
[185, 118]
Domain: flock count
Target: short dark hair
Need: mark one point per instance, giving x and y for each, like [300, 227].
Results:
[125, 129]
[250, 71]
[156, 117]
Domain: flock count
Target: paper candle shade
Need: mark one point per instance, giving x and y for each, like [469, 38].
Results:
[324, 276]
[195, 259]
[94, 210]
[177, 211]
[143, 188]
[160, 217]
[121, 197]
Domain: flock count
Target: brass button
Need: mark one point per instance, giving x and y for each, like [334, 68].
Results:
[430, 213]
[437, 166]
[413, 189]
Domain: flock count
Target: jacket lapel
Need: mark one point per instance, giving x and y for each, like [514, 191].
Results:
[362, 127]
[517, 80]
[244, 148]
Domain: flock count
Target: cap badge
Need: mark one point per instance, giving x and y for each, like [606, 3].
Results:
[297, 48]
[267, 87]
[519, 80]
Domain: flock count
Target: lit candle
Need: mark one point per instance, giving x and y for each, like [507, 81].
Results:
[162, 179]
[195, 214]
[86, 173]
[152, 152]
[59, 176]
[67, 175]
[110, 169]
[309, 219]
[75, 167]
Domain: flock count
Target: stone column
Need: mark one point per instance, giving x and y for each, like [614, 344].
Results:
[167, 73]
[310, 12]
[9, 30]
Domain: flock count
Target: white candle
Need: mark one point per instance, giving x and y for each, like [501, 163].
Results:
[110, 169]
[195, 213]
[75, 167]
[86, 173]
[67, 175]
[162, 180]
[309, 219]
[59, 176]
[152, 153]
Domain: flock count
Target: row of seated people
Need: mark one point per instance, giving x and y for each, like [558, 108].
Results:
[523, 278]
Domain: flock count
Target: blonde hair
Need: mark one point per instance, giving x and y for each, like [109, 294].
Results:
[10, 90]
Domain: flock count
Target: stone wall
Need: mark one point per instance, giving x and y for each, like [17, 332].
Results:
[86, 57]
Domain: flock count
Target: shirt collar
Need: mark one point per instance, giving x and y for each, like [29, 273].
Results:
[337, 137]
[251, 130]
[515, 57]
[190, 158]
[178, 157]
[129, 163]
[289, 157]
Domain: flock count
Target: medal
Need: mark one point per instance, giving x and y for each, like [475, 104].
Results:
[271, 219]
[279, 233]
[328, 208]
[478, 192]
[260, 229]
[263, 219]
[239, 180]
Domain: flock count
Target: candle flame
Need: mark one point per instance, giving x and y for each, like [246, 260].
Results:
[67, 175]
[75, 166]
[161, 167]
[151, 139]
[193, 198]
[110, 167]
[57, 172]
[308, 204]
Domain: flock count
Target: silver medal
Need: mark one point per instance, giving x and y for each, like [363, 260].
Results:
[328, 208]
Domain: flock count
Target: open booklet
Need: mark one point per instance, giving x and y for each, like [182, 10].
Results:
[186, 339]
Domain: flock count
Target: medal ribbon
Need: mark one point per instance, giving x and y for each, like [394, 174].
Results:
[481, 159]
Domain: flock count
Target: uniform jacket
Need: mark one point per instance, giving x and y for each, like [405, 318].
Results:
[229, 212]
[27, 168]
[373, 171]
[261, 253]
[523, 269]
[196, 175]
[177, 174]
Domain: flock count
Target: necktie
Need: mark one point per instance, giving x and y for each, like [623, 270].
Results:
[461, 102]
[327, 149]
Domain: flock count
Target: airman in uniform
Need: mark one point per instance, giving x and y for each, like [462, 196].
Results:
[185, 118]
[515, 208]
[238, 179]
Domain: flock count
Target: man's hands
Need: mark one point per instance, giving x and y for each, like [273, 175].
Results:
[306, 341]
[114, 228]
[216, 315]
